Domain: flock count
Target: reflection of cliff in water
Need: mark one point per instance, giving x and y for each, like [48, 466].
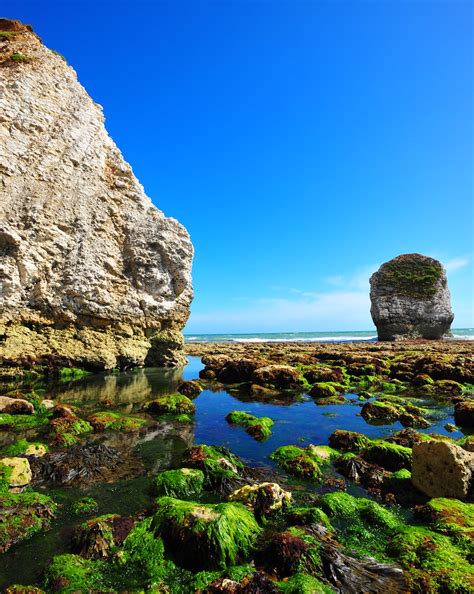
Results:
[122, 388]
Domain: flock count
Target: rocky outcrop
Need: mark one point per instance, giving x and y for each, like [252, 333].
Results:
[92, 273]
[410, 299]
[442, 469]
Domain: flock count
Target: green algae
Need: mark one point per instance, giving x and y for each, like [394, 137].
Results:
[180, 483]
[71, 374]
[348, 441]
[431, 560]
[22, 422]
[205, 535]
[302, 583]
[19, 447]
[258, 427]
[361, 524]
[112, 421]
[451, 517]
[84, 505]
[388, 455]
[308, 515]
[72, 573]
[411, 275]
[218, 464]
[298, 461]
[173, 403]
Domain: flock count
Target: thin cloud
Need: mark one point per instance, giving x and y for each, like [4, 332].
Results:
[456, 264]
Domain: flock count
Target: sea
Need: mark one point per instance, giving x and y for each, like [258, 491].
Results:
[348, 336]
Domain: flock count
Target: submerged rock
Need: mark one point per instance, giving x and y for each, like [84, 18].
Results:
[94, 275]
[410, 298]
[442, 469]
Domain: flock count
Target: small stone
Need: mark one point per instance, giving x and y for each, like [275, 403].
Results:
[36, 449]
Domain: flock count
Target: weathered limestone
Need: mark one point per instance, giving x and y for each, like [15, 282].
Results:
[442, 469]
[92, 274]
[410, 299]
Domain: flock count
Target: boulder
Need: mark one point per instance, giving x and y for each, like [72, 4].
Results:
[190, 388]
[262, 498]
[93, 274]
[16, 406]
[410, 299]
[464, 413]
[20, 474]
[442, 469]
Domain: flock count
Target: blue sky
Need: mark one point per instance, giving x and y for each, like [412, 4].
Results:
[302, 144]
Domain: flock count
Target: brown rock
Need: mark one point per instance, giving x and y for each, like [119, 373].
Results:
[464, 413]
[16, 406]
[279, 376]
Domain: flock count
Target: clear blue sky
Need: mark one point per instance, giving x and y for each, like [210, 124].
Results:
[302, 144]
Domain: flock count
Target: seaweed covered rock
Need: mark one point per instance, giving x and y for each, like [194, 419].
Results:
[22, 515]
[388, 455]
[282, 377]
[380, 413]
[223, 471]
[93, 273]
[173, 404]
[258, 427]
[190, 388]
[410, 299]
[96, 538]
[205, 536]
[239, 370]
[348, 441]
[262, 498]
[442, 469]
[180, 483]
[299, 462]
[103, 421]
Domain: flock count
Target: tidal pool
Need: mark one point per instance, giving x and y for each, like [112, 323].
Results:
[298, 420]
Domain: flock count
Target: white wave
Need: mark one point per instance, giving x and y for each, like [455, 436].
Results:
[313, 339]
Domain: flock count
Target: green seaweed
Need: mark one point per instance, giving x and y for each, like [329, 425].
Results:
[302, 583]
[257, 427]
[180, 483]
[105, 420]
[173, 403]
[298, 461]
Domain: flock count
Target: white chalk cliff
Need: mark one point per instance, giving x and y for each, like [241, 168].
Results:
[91, 272]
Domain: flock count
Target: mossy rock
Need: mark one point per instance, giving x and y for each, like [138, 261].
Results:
[262, 498]
[326, 390]
[388, 455]
[19, 423]
[431, 561]
[173, 403]
[380, 413]
[451, 517]
[410, 275]
[180, 483]
[361, 524]
[292, 551]
[72, 573]
[22, 515]
[304, 516]
[298, 461]
[112, 421]
[222, 469]
[348, 441]
[205, 536]
[257, 427]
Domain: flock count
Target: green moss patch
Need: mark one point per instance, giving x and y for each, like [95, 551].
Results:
[205, 536]
[258, 427]
[298, 462]
[388, 455]
[103, 421]
[181, 483]
[411, 275]
[174, 403]
[222, 469]
[302, 583]
[84, 505]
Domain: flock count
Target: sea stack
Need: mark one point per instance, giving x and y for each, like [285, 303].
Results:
[410, 299]
[92, 274]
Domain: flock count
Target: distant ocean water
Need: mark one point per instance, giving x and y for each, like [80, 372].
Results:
[367, 335]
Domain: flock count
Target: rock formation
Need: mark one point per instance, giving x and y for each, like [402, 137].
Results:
[410, 299]
[91, 273]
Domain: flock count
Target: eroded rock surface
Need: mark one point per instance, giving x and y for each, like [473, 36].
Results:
[410, 299]
[92, 273]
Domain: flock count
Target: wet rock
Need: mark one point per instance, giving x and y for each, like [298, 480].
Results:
[82, 466]
[326, 390]
[16, 406]
[361, 472]
[20, 472]
[262, 498]
[298, 462]
[258, 427]
[379, 413]
[388, 455]
[172, 403]
[410, 299]
[240, 370]
[464, 413]
[442, 469]
[278, 376]
[205, 536]
[96, 538]
[348, 441]
[190, 388]
[322, 373]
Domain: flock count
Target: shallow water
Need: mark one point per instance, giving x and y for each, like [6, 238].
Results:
[298, 421]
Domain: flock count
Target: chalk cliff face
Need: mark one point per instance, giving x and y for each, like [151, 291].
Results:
[91, 272]
[410, 298]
